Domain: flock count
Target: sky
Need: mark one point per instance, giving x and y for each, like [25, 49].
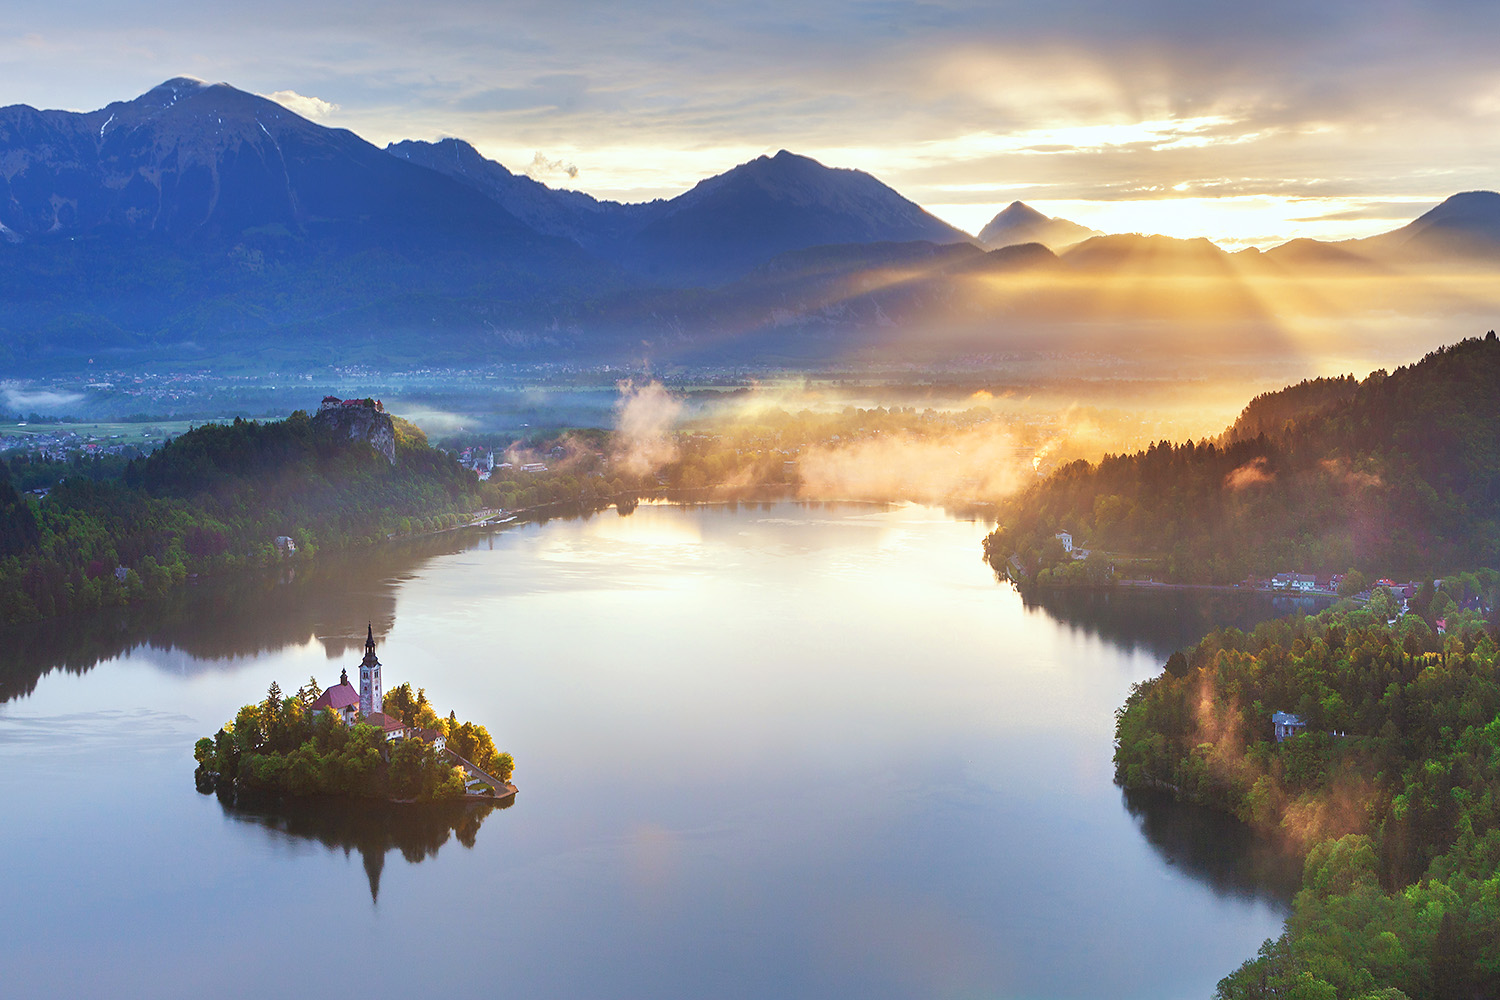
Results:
[1248, 123]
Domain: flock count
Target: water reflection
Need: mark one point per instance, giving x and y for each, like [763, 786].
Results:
[1162, 620]
[929, 807]
[245, 614]
[1215, 848]
[371, 828]
[254, 613]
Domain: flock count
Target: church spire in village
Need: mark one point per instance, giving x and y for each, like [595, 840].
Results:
[370, 695]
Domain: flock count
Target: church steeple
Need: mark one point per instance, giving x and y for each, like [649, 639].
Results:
[371, 698]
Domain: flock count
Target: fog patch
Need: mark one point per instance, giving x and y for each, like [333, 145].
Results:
[643, 424]
[980, 463]
[17, 397]
[1252, 473]
[1342, 472]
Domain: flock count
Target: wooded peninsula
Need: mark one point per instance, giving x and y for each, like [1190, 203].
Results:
[1366, 738]
[1396, 474]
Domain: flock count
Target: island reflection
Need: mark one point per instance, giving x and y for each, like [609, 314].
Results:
[371, 828]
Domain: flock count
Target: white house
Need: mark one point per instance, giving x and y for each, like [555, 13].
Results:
[1287, 725]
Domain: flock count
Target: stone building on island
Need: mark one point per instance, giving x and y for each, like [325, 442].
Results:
[341, 698]
[368, 703]
[371, 694]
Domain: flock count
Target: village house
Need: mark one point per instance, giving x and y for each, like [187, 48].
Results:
[1287, 725]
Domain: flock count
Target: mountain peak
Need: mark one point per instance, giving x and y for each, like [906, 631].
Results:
[1018, 212]
[1019, 223]
[460, 158]
[168, 92]
[1465, 224]
[1467, 205]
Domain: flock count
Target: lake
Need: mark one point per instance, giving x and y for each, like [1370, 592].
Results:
[776, 750]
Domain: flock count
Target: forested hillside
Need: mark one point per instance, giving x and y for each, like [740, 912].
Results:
[1393, 790]
[213, 500]
[1272, 412]
[1402, 476]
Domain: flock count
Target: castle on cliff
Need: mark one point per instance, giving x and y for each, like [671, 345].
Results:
[359, 420]
[334, 402]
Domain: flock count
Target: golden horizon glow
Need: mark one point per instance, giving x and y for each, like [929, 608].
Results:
[1233, 222]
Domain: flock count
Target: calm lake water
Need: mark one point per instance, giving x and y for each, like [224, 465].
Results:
[772, 751]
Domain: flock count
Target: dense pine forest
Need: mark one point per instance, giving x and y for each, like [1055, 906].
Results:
[214, 500]
[1399, 474]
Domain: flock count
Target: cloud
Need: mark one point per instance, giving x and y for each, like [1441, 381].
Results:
[314, 108]
[1384, 211]
[540, 167]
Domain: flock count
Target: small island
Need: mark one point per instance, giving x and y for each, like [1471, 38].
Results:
[352, 743]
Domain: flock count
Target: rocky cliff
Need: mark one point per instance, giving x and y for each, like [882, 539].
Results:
[360, 421]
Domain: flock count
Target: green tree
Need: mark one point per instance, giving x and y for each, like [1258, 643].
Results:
[204, 752]
[309, 692]
[406, 769]
[1353, 583]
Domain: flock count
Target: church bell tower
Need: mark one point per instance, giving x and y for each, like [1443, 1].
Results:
[370, 695]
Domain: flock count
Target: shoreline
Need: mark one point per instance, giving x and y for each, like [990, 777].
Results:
[1232, 588]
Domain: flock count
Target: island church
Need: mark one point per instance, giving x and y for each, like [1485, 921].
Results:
[368, 701]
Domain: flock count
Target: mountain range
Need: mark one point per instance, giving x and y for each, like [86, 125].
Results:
[198, 221]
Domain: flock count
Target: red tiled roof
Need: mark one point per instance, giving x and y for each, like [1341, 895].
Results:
[340, 697]
[387, 723]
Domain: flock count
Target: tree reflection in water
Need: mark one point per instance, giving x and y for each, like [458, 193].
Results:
[417, 830]
[1216, 849]
[238, 615]
[1161, 620]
